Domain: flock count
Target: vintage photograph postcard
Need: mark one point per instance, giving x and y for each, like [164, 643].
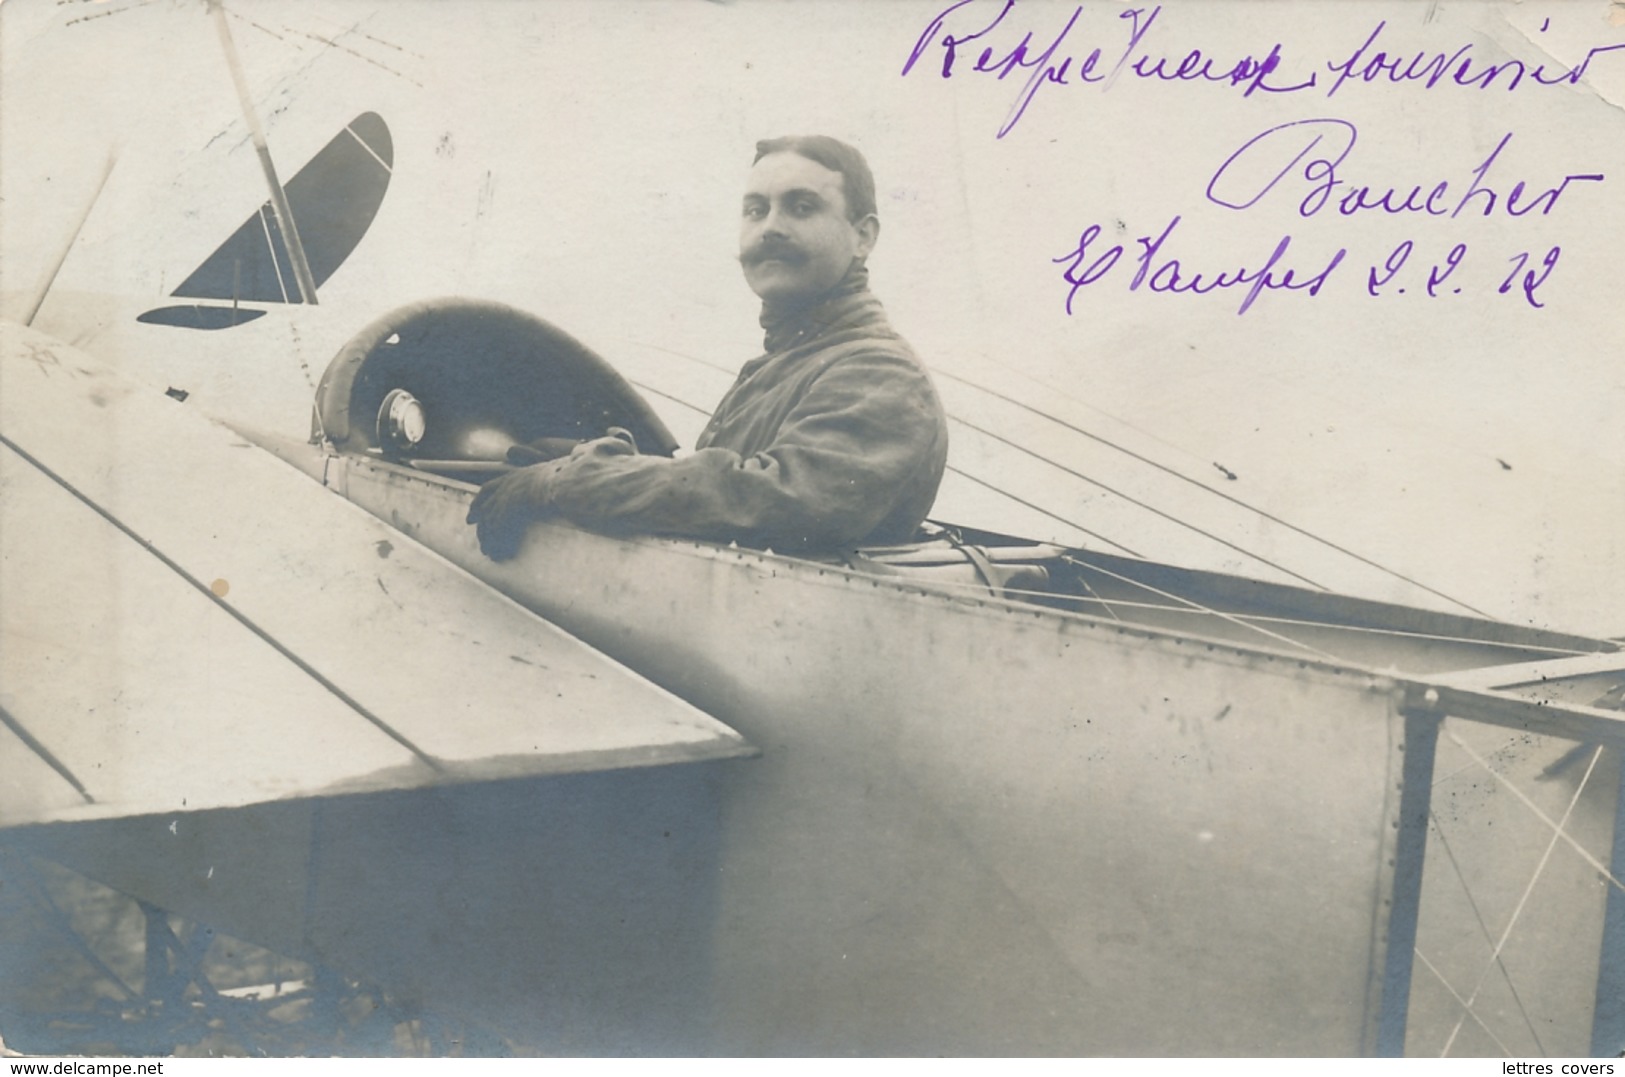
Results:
[957, 527]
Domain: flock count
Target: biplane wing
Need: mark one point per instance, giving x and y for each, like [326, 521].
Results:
[189, 624]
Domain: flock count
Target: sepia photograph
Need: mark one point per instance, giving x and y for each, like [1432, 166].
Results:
[738, 528]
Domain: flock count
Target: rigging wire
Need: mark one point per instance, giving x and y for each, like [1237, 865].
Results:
[46, 283]
[1484, 927]
[1046, 512]
[667, 396]
[1233, 619]
[1488, 1031]
[1095, 596]
[276, 263]
[1540, 869]
[732, 372]
[1601, 868]
[1141, 504]
[1045, 384]
[1203, 486]
[1512, 743]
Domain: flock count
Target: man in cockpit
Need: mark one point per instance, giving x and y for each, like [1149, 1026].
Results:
[833, 438]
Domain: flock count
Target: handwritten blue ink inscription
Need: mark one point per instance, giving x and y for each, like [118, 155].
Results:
[1430, 69]
[1160, 272]
[1306, 164]
[1060, 64]
[1091, 260]
[1302, 159]
[995, 38]
[1273, 156]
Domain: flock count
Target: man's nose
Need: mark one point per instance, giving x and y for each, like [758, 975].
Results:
[773, 223]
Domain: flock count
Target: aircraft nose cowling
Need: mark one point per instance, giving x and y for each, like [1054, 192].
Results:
[487, 376]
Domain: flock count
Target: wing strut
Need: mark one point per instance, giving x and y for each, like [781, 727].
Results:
[279, 197]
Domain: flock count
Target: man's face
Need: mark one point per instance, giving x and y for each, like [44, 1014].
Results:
[795, 241]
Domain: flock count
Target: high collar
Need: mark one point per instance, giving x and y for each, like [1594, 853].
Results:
[787, 325]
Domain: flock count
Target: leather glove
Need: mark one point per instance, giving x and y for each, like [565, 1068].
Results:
[618, 442]
[505, 507]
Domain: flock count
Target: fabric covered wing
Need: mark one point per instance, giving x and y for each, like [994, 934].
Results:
[187, 623]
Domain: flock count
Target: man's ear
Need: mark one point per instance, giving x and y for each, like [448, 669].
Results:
[868, 233]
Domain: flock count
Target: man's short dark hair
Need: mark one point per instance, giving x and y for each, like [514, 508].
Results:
[857, 182]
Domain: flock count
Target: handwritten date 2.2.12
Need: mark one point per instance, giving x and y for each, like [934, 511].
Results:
[1520, 275]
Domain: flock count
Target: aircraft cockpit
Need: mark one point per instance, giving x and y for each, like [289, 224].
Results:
[467, 389]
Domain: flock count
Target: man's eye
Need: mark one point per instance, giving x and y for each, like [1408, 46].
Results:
[803, 209]
[753, 212]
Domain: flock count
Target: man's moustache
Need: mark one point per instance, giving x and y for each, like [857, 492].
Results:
[777, 252]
